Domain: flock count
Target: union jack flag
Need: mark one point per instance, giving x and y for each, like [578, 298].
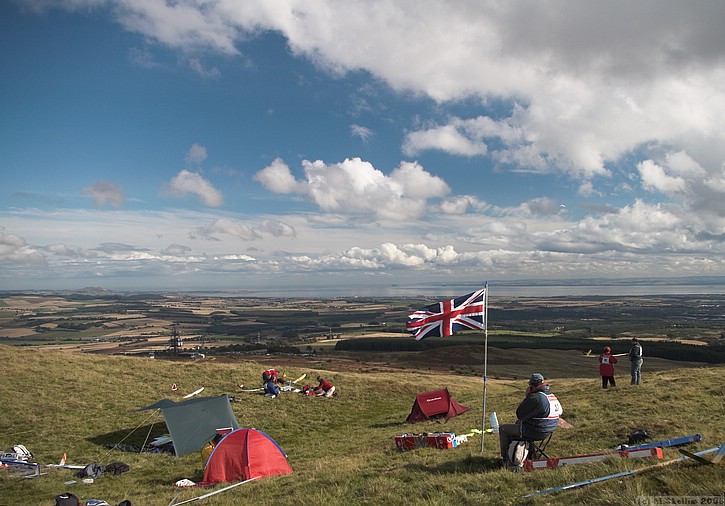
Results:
[445, 318]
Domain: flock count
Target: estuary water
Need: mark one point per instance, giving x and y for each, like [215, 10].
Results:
[495, 289]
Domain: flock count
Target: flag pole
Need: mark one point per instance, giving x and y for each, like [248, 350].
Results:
[485, 361]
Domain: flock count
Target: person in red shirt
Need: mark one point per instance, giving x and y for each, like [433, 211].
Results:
[606, 368]
[325, 388]
[270, 375]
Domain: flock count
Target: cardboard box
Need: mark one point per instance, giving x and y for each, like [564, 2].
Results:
[440, 440]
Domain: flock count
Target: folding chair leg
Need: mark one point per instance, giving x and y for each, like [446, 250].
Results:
[539, 453]
[536, 448]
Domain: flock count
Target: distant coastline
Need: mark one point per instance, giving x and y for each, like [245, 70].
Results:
[698, 285]
[538, 291]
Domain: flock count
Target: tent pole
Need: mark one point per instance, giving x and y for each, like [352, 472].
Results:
[485, 361]
[218, 491]
[153, 413]
[147, 435]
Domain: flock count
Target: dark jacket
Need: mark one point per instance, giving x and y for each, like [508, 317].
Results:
[271, 388]
[535, 412]
[635, 353]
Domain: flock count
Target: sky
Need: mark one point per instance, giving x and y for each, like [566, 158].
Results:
[235, 145]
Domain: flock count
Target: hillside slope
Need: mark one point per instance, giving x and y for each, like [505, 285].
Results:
[342, 449]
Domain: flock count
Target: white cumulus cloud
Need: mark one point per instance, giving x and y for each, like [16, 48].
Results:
[187, 182]
[355, 186]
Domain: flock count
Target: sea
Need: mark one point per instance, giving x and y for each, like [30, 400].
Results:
[501, 289]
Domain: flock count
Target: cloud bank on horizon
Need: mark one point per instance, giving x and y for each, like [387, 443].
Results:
[218, 144]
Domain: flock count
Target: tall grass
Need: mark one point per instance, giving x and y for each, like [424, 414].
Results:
[342, 449]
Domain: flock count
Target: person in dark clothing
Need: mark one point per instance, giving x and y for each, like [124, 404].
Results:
[537, 415]
[271, 389]
[635, 357]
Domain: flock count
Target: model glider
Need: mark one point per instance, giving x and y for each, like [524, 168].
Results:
[192, 394]
[241, 387]
[716, 459]
[589, 354]
[616, 475]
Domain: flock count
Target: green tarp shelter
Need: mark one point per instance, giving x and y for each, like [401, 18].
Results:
[193, 423]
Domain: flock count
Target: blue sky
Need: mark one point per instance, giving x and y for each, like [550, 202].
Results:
[236, 145]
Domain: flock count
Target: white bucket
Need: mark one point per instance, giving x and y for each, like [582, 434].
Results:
[494, 422]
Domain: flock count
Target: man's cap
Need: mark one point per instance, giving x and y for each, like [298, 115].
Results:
[607, 348]
[536, 379]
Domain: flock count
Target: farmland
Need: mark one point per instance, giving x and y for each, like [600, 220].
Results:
[361, 330]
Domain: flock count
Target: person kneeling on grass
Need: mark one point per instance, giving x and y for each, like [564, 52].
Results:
[271, 389]
[325, 388]
[537, 416]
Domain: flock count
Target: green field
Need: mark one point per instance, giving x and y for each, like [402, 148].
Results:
[342, 449]
[683, 328]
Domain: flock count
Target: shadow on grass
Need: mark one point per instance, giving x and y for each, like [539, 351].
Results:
[385, 425]
[132, 438]
[468, 465]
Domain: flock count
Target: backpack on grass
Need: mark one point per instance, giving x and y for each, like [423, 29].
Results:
[516, 455]
[637, 436]
[67, 499]
[92, 470]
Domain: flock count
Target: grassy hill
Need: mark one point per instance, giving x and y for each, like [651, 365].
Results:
[342, 449]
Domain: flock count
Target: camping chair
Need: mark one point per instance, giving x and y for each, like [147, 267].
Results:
[537, 446]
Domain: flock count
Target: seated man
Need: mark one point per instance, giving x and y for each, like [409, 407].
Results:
[537, 415]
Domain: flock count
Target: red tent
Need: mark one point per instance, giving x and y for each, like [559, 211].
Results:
[244, 454]
[435, 404]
